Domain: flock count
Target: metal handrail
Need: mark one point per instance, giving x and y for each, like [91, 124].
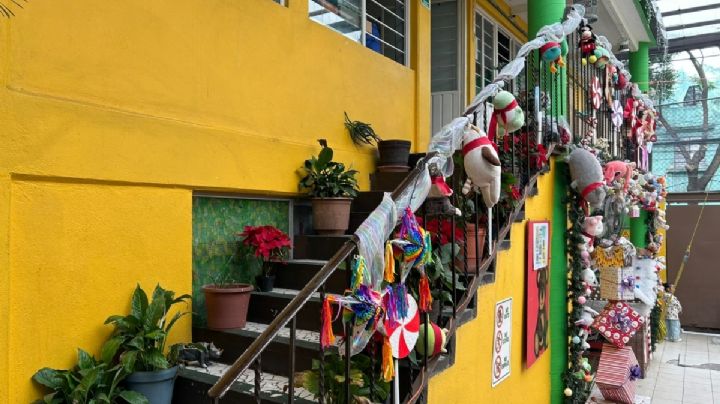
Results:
[252, 353]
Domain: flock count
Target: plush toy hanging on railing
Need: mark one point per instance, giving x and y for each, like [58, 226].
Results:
[586, 44]
[551, 53]
[507, 115]
[482, 165]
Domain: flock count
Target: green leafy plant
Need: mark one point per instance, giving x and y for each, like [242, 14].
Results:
[361, 371]
[360, 132]
[138, 341]
[325, 178]
[90, 381]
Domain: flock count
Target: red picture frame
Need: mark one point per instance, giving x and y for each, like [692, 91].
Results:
[537, 290]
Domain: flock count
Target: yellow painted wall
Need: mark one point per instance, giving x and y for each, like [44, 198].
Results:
[113, 113]
[468, 381]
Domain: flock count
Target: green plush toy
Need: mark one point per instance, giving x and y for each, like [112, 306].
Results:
[508, 114]
[600, 57]
[436, 339]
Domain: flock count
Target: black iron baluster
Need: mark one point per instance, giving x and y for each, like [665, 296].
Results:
[452, 269]
[321, 362]
[258, 379]
[373, 352]
[291, 367]
[348, 344]
[478, 253]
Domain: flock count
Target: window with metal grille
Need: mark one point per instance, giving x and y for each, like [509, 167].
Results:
[384, 22]
[280, 2]
[494, 49]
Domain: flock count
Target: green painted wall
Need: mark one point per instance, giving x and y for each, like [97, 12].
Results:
[558, 284]
[215, 222]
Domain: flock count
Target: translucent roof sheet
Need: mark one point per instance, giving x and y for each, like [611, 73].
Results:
[689, 18]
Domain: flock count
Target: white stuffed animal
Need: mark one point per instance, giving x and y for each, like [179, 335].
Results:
[586, 320]
[644, 271]
[482, 165]
[593, 228]
[589, 280]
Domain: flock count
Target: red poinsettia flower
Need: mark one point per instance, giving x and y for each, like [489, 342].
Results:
[515, 192]
[267, 242]
[443, 228]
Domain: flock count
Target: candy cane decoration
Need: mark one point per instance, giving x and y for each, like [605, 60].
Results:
[617, 114]
[595, 93]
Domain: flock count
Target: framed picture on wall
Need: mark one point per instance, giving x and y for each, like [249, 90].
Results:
[537, 290]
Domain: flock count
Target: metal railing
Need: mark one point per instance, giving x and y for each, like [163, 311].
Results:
[524, 156]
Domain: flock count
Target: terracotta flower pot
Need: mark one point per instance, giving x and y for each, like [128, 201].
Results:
[227, 305]
[331, 216]
[473, 247]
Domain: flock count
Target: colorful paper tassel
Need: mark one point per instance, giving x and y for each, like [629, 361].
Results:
[425, 296]
[388, 368]
[327, 337]
[396, 304]
[389, 274]
[358, 272]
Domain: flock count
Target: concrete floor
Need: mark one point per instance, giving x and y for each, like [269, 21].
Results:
[686, 372]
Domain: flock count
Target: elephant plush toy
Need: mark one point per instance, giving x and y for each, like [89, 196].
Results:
[587, 177]
[482, 165]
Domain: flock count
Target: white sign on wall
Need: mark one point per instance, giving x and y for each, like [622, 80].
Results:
[501, 341]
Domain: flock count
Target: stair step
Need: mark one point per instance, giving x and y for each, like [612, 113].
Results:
[297, 273]
[192, 385]
[367, 201]
[503, 245]
[356, 219]
[386, 182]
[265, 306]
[274, 359]
[317, 247]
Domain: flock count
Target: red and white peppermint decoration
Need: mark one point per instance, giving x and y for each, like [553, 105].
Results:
[403, 333]
[595, 92]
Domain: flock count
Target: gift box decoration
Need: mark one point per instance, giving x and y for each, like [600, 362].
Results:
[618, 322]
[617, 283]
[640, 344]
[611, 257]
[617, 374]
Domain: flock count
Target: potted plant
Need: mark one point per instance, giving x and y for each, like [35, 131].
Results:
[394, 154]
[332, 188]
[138, 343]
[270, 245]
[227, 298]
[90, 381]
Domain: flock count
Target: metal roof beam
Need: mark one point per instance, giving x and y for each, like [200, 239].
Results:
[693, 25]
[690, 9]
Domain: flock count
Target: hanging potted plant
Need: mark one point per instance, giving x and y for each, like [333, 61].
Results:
[332, 188]
[394, 154]
[270, 245]
[138, 343]
[227, 299]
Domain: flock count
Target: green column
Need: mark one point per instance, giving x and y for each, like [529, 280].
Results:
[640, 66]
[638, 230]
[541, 13]
[640, 71]
[558, 285]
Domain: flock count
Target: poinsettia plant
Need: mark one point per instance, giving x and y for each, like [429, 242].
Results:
[268, 243]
